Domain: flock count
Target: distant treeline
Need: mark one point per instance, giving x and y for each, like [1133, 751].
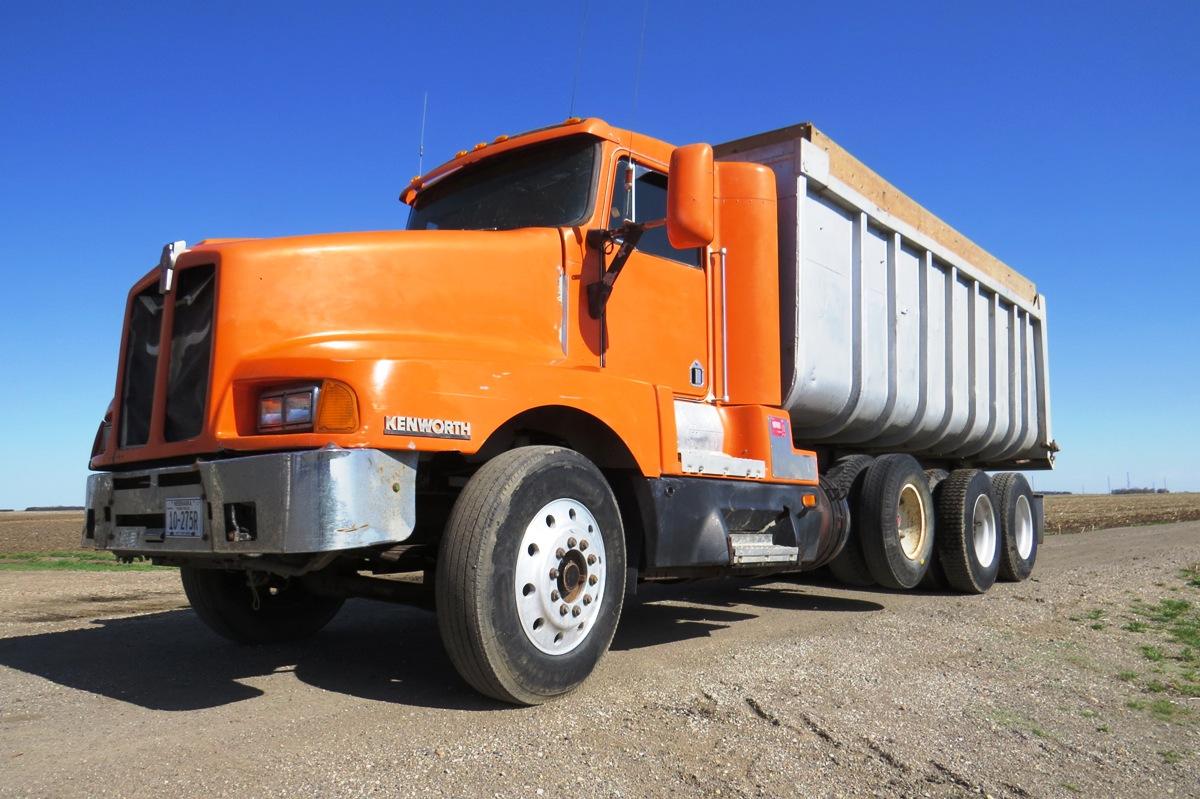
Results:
[1055, 493]
[55, 507]
[1140, 491]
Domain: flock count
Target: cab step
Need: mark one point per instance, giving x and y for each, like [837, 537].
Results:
[749, 548]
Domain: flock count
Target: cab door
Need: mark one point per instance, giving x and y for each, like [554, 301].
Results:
[655, 321]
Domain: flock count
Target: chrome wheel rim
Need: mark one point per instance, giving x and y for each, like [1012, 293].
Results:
[559, 577]
[912, 522]
[1024, 527]
[983, 532]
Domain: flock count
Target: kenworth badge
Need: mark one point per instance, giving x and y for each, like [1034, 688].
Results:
[428, 428]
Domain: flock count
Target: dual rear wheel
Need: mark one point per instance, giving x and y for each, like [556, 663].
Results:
[958, 530]
[968, 535]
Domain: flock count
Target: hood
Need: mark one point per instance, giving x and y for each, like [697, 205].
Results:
[390, 294]
[346, 306]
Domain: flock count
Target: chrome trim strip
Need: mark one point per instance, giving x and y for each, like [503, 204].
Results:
[724, 330]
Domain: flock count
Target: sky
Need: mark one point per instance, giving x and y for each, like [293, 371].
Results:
[1061, 136]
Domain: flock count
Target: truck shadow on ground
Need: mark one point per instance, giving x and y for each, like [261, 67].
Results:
[169, 661]
[664, 613]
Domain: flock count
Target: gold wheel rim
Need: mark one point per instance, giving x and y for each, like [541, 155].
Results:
[911, 522]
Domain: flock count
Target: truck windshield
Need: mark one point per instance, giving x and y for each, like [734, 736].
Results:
[543, 185]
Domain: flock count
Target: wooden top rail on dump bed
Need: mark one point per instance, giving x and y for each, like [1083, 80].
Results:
[869, 184]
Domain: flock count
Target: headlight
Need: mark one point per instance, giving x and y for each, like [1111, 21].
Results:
[287, 409]
[328, 407]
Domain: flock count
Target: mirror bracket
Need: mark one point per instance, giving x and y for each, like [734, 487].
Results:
[624, 239]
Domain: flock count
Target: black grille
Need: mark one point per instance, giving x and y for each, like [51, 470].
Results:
[191, 351]
[141, 360]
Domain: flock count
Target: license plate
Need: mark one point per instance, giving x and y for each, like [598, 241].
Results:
[184, 518]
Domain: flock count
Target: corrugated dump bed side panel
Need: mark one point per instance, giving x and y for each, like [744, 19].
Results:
[891, 340]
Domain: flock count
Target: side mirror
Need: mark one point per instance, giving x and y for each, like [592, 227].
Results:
[690, 197]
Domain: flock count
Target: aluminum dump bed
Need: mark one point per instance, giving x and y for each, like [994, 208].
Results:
[898, 332]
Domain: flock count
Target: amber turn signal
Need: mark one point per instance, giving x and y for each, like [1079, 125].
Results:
[337, 408]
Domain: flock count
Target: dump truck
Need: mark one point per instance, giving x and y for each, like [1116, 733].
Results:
[591, 359]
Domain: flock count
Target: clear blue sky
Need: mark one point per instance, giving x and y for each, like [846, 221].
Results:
[1061, 136]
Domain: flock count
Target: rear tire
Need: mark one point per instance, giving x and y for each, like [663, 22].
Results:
[286, 610]
[1018, 526]
[968, 532]
[934, 579]
[535, 531]
[897, 530]
[935, 476]
[846, 476]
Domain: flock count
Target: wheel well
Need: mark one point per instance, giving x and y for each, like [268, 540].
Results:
[563, 426]
[596, 441]
[441, 477]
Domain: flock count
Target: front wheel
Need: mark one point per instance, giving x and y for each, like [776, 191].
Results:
[256, 608]
[531, 574]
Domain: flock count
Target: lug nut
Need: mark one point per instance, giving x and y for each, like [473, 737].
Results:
[553, 596]
[571, 543]
[559, 553]
[591, 559]
[562, 611]
[593, 579]
[587, 599]
[583, 544]
[575, 611]
[554, 574]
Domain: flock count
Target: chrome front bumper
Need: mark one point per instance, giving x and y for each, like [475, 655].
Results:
[323, 500]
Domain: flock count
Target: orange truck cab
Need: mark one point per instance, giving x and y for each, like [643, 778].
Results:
[562, 378]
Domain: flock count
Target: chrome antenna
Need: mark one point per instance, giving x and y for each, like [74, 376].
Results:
[421, 146]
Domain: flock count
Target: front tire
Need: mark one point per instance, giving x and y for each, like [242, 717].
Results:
[531, 575]
[274, 611]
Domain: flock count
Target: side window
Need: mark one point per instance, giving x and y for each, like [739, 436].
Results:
[643, 201]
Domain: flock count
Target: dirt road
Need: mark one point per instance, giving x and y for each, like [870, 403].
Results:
[42, 531]
[109, 686]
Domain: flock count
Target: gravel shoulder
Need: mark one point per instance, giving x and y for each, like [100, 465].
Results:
[110, 686]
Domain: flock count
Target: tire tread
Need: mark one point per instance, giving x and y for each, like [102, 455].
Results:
[1010, 562]
[464, 573]
[463, 631]
[955, 530]
[849, 567]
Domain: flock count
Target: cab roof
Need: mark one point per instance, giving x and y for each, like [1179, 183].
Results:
[646, 146]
